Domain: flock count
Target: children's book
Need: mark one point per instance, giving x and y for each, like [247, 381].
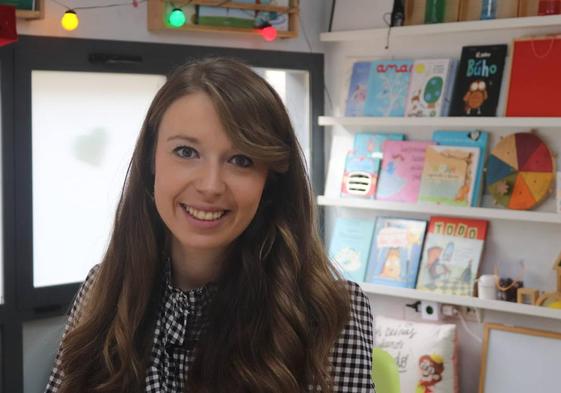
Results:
[388, 84]
[451, 255]
[350, 245]
[357, 89]
[449, 175]
[402, 166]
[360, 176]
[362, 165]
[478, 83]
[479, 139]
[396, 252]
[430, 87]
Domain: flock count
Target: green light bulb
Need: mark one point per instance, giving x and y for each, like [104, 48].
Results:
[176, 17]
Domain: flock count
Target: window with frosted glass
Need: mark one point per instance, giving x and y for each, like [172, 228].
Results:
[293, 87]
[84, 127]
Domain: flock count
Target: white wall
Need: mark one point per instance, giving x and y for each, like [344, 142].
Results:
[127, 23]
[508, 242]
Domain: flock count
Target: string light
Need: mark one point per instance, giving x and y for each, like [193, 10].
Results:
[176, 18]
[69, 20]
[268, 32]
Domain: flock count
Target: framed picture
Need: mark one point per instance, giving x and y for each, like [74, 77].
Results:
[27, 9]
[513, 359]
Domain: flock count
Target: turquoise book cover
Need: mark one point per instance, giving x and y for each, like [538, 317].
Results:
[478, 139]
[388, 85]
[350, 246]
[396, 252]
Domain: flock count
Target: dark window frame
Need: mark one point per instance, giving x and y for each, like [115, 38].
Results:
[23, 302]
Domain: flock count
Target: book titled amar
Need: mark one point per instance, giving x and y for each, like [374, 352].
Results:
[479, 79]
[449, 175]
[402, 167]
[451, 255]
[475, 138]
[350, 245]
[396, 252]
[430, 88]
[388, 84]
[362, 164]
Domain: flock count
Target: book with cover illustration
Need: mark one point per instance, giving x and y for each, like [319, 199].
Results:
[449, 175]
[402, 166]
[362, 164]
[357, 89]
[430, 88]
[451, 255]
[388, 84]
[360, 176]
[478, 83]
[476, 138]
[350, 245]
[396, 252]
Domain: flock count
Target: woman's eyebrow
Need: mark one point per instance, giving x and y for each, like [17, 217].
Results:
[183, 137]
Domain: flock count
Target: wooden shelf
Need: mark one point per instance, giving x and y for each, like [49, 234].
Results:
[442, 210]
[466, 301]
[443, 29]
[468, 122]
[157, 17]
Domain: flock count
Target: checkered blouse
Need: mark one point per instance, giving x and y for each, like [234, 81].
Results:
[182, 319]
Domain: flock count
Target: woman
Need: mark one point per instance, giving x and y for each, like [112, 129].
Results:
[215, 279]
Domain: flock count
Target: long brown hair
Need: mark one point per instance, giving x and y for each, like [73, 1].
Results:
[279, 306]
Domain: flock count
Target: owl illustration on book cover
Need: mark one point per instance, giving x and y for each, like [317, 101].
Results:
[478, 84]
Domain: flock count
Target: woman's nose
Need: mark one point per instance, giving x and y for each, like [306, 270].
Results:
[210, 180]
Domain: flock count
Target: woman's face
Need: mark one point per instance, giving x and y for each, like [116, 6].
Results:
[206, 190]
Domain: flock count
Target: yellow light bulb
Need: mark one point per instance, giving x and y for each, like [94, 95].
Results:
[69, 20]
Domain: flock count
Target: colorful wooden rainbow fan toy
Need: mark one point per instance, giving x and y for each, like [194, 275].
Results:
[520, 171]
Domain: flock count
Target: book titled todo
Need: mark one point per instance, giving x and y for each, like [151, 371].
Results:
[451, 255]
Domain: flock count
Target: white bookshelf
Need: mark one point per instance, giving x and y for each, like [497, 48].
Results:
[444, 28]
[442, 210]
[466, 301]
[442, 122]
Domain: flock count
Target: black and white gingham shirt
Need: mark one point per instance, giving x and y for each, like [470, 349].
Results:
[182, 319]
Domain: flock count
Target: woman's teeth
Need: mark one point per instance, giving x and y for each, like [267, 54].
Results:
[202, 215]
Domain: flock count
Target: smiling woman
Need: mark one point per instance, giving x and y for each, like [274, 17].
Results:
[215, 278]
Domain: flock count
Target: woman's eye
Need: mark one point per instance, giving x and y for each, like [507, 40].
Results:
[241, 161]
[185, 152]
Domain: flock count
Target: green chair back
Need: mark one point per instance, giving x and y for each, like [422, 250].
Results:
[385, 374]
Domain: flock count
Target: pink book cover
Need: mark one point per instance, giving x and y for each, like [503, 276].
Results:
[402, 167]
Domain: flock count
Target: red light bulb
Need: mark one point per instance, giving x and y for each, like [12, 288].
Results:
[269, 33]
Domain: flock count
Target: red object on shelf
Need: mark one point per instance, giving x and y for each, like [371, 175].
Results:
[8, 33]
[535, 78]
[269, 33]
[549, 7]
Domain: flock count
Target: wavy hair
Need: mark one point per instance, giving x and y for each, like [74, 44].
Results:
[279, 306]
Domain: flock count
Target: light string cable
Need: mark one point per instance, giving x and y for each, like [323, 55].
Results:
[90, 7]
[468, 330]
[387, 20]
[311, 51]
